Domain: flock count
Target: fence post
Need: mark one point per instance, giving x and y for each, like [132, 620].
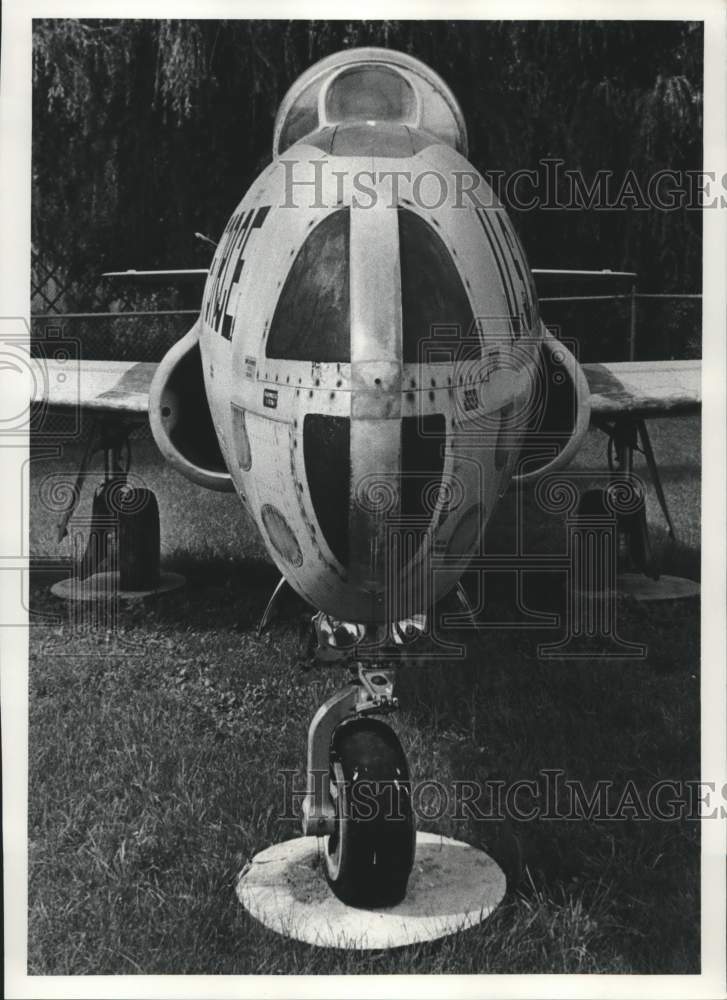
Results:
[632, 325]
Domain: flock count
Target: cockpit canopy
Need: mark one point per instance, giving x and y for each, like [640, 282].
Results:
[369, 93]
[369, 85]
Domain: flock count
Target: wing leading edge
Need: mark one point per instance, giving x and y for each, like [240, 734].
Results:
[105, 386]
[644, 388]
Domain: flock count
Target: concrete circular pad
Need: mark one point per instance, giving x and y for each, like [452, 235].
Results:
[666, 588]
[452, 886]
[102, 586]
[638, 587]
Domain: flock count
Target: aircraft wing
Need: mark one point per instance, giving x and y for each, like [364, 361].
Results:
[644, 388]
[637, 388]
[169, 276]
[101, 386]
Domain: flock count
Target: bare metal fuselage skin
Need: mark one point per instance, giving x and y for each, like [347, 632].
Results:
[363, 357]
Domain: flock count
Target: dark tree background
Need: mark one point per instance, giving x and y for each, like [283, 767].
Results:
[145, 131]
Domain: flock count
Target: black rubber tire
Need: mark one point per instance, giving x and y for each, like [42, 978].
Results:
[370, 856]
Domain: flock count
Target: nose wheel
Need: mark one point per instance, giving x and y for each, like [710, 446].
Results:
[359, 790]
[370, 853]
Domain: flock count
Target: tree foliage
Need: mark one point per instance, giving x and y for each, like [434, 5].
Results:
[145, 131]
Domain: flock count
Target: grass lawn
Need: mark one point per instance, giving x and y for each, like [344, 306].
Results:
[157, 748]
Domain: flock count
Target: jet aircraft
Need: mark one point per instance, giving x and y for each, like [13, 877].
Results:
[369, 372]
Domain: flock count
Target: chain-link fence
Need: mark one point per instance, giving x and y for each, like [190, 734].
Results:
[642, 327]
[103, 319]
[110, 319]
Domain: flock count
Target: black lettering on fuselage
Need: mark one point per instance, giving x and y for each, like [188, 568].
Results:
[503, 270]
[520, 267]
[227, 268]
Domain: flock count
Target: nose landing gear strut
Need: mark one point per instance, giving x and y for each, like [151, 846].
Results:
[359, 788]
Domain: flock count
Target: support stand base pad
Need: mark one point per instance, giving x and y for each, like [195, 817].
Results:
[666, 588]
[105, 586]
[638, 587]
[452, 886]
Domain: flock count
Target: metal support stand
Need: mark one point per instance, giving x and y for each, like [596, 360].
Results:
[654, 472]
[626, 435]
[466, 604]
[122, 552]
[269, 611]
[591, 614]
[629, 434]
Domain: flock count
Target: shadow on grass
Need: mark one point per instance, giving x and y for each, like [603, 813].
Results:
[505, 715]
[218, 593]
